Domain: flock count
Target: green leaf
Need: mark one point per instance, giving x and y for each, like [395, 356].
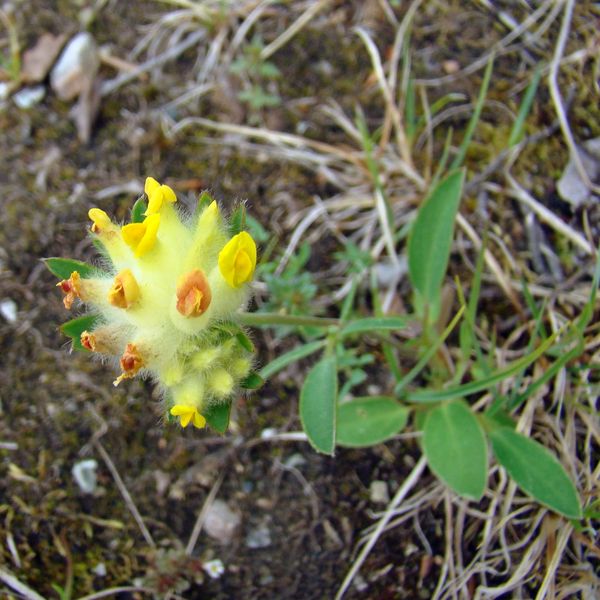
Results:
[138, 210]
[244, 341]
[63, 267]
[455, 447]
[462, 151]
[481, 384]
[204, 201]
[252, 381]
[281, 362]
[75, 327]
[431, 235]
[217, 416]
[317, 404]
[371, 324]
[237, 222]
[517, 131]
[370, 420]
[536, 471]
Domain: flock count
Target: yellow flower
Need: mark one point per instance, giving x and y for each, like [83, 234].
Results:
[188, 414]
[100, 220]
[157, 194]
[125, 290]
[141, 237]
[71, 288]
[131, 362]
[193, 294]
[237, 260]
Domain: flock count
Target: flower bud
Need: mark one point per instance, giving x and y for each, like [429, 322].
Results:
[221, 383]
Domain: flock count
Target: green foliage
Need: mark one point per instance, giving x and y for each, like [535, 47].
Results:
[217, 416]
[318, 399]
[298, 353]
[431, 239]
[252, 381]
[237, 222]
[254, 71]
[536, 471]
[455, 447]
[138, 210]
[63, 267]
[367, 421]
[75, 327]
[291, 291]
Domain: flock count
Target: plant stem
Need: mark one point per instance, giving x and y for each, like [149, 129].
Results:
[273, 319]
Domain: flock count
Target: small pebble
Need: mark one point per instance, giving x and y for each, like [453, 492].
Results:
[8, 309]
[76, 68]
[378, 491]
[4, 90]
[259, 537]
[100, 570]
[29, 96]
[84, 473]
[221, 522]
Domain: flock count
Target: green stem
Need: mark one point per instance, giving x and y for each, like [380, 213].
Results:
[273, 319]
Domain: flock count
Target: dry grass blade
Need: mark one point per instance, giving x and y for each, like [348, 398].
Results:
[20, 588]
[294, 28]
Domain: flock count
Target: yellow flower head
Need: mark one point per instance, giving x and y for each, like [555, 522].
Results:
[165, 302]
[188, 414]
[125, 291]
[100, 220]
[157, 194]
[237, 260]
[141, 237]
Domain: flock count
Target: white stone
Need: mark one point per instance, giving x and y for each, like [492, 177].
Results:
[76, 68]
[221, 522]
[379, 493]
[29, 96]
[8, 309]
[84, 473]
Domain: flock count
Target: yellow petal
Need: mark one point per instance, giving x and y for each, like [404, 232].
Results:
[133, 233]
[199, 420]
[179, 409]
[168, 194]
[100, 220]
[157, 194]
[186, 418]
[141, 237]
[147, 242]
[150, 186]
[237, 260]
[125, 290]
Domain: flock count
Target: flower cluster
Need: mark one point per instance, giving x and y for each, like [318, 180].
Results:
[166, 306]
